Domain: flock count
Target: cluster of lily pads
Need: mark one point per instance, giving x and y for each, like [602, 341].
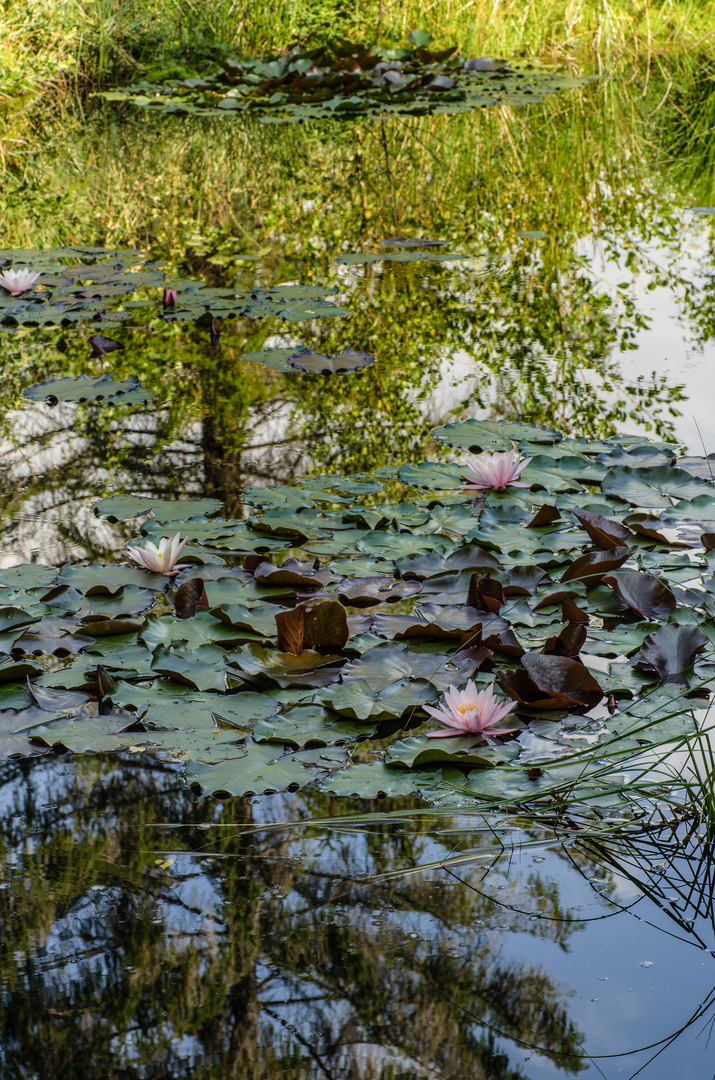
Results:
[346, 80]
[51, 288]
[314, 641]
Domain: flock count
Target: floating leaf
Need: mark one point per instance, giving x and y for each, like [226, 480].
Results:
[55, 701]
[202, 629]
[646, 595]
[86, 388]
[189, 597]
[256, 769]
[366, 592]
[591, 568]
[306, 668]
[457, 750]
[374, 779]
[388, 663]
[201, 668]
[605, 533]
[358, 700]
[654, 486]
[478, 435]
[124, 507]
[669, 650]
[347, 360]
[309, 725]
[98, 580]
[17, 670]
[551, 682]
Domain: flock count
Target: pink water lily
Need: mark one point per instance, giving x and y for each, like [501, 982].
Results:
[491, 471]
[161, 560]
[470, 712]
[16, 282]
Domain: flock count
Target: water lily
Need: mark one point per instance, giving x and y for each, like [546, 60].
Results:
[161, 560]
[16, 282]
[495, 472]
[470, 712]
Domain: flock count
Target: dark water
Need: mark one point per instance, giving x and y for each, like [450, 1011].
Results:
[149, 933]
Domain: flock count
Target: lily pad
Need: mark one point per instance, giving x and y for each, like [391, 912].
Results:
[258, 768]
[310, 725]
[478, 435]
[124, 507]
[95, 388]
[347, 360]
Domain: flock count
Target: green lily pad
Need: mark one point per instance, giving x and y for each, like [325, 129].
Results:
[455, 751]
[96, 579]
[87, 388]
[202, 629]
[357, 700]
[310, 725]
[374, 779]
[28, 576]
[200, 669]
[655, 486]
[390, 662]
[124, 507]
[257, 769]
[478, 435]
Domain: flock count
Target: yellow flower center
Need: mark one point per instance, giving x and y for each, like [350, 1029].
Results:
[468, 707]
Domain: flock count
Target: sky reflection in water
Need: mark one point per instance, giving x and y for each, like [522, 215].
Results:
[220, 947]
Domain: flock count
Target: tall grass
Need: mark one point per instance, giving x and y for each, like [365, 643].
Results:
[45, 40]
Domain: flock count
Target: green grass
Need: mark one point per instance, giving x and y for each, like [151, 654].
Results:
[48, 42]
[53, 51]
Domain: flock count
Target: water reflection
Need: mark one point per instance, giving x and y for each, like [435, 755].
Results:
[228, 944]
[587, 325]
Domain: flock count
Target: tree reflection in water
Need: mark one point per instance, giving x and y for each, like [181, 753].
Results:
[140, 949]
[530, 328]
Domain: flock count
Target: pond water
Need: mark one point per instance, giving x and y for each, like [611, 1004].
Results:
[151, 931]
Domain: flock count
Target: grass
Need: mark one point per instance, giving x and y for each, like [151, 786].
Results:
[59, 42]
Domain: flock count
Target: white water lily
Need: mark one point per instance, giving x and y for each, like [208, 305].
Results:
[16, 282]
[161, 560]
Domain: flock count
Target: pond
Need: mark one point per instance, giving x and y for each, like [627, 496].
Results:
[153, 933]
[230, 845]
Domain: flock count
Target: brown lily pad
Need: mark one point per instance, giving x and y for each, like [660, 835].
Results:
[551, 682]
[592, 567]
[323, 626]
[604, 532]
[669, 650]
[645, 594]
